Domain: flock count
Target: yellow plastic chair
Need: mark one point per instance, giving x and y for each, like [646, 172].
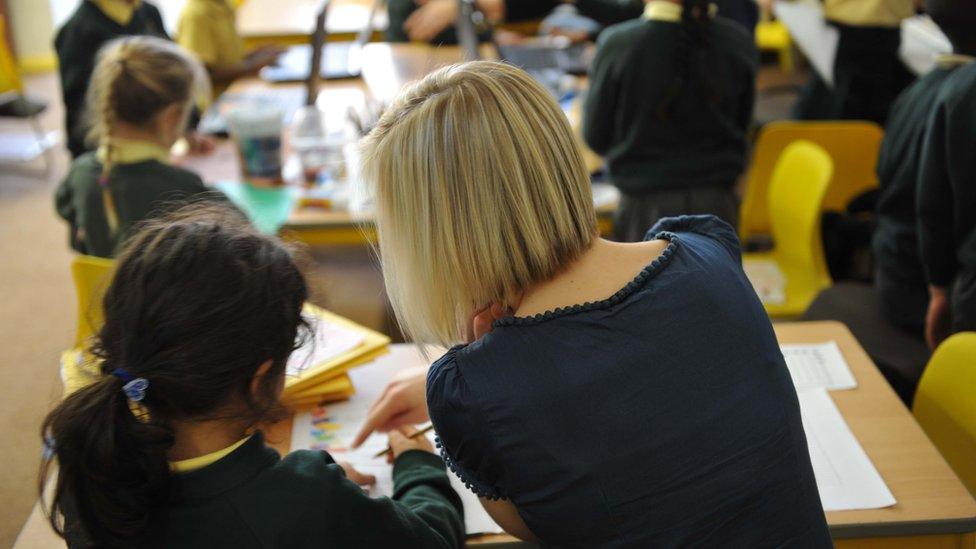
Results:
[853, 146]
[791, 275]
[945, 404]
[774, 36]
[9, 73]
[92, 276]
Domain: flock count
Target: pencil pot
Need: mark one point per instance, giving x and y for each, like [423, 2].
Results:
[257, 132]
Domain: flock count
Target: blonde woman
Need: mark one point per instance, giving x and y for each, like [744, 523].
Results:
[139, 101]
[603, 394]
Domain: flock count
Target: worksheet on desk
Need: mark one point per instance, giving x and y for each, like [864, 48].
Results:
[328, 340]
[818, 366]
[332, 427]
[846, 478]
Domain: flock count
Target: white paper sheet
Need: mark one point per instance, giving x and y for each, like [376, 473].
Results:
[846, 477]
[329, 341]
[817, 40]
[333, 427]
[767, 279]
[921, 43]
[818, 366]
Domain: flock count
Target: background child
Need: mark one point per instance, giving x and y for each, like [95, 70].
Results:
[947, 196]
[200, 319]
[92, 25]
[671, 96]
[868, 75]
[900, 278]
[208, 28]
[141, 95]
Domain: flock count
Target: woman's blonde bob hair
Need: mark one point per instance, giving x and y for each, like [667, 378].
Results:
[481, 192]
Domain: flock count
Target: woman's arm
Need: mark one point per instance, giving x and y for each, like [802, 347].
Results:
[506, 515]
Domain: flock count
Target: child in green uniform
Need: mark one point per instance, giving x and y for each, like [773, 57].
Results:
[92, 25]
[164, 449]
[670, 100]
[208, 28]
[946, 192]
[142, 92]
[900, 278]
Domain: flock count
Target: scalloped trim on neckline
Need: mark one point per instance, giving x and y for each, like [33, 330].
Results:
[643, 276]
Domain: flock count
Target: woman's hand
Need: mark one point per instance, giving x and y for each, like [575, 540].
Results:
[937, 321]
[483, 320]
[403, 402]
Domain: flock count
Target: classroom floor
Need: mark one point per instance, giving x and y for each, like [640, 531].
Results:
[37, 315]
[37, 319]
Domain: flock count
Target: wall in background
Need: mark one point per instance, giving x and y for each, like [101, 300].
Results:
[33, 32]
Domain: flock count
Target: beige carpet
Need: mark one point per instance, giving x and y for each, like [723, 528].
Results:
[37, 312]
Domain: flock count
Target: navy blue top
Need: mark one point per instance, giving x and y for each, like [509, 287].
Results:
[662, 416]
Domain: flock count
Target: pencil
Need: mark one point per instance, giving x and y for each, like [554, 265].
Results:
[423, 431]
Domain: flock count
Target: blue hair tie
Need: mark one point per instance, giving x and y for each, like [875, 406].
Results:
[135, 387]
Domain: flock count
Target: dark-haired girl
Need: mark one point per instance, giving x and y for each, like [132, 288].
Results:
[163, 450]
[670, 100]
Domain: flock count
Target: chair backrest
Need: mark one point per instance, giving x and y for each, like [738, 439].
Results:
[796, 194]
[945, 404]
[853, 145]
[92, 277]
[9, 72]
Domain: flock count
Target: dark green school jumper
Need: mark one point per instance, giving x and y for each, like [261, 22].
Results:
[683, 158]
[252, 498]
[947, 195]
[77, 43]
[899, 276]
[140, 190]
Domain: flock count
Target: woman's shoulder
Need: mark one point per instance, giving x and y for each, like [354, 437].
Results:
[699, 231]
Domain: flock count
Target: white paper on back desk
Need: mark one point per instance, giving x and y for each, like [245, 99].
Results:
[846, 478]
[818, 365]
[332, 428]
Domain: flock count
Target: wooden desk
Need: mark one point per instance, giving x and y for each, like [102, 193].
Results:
[318, 226]
[934, 510]
[292, 21]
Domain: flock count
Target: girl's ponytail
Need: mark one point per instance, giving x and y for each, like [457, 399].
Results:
[111, 460]
[693, 45]
[199, 301]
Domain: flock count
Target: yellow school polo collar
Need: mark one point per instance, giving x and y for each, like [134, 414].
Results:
[192, 464]
[661, 10]
[131, 151]
[953, 60]
[119, 11]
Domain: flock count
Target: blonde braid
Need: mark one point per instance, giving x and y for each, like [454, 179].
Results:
[107, 83]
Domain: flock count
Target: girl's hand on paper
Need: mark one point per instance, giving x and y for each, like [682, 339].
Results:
[355, 476]
[401, 442]
[403, 402]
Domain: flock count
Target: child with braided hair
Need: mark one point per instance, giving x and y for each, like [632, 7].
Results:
[141, 95]
[671, 97]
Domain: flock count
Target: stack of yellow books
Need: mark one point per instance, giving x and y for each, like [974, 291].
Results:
[318, 371]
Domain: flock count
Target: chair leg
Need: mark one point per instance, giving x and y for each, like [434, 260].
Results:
[39, 134]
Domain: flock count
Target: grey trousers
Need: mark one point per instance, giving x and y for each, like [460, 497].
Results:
[638, 213]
